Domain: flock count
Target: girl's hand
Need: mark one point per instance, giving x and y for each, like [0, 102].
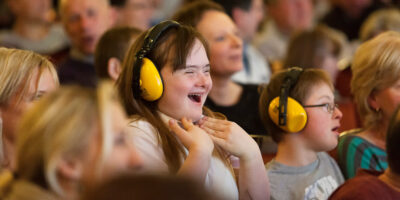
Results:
[192, 137]
[231, 137]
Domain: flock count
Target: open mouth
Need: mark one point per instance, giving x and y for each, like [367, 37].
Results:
[195, 97]
[336, 129]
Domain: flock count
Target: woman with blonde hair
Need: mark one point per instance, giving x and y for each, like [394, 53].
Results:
[376, 88]
[25, 76]
[68, 141]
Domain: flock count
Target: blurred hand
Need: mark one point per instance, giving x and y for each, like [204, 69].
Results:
[231, 137]
[192, 137]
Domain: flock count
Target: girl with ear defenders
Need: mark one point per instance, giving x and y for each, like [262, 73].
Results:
[163, 86]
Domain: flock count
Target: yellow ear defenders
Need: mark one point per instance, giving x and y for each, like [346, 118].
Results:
[287, 113]
[147, 81]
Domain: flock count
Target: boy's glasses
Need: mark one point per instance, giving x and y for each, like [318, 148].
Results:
[330, 107]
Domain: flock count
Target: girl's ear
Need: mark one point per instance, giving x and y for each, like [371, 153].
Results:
[114, 68]
[372, 102]
[70, 169]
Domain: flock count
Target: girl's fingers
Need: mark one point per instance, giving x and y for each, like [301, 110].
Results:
[220, 142]
[187, 124]
[215, 133]
[215, 125]
[180, 132]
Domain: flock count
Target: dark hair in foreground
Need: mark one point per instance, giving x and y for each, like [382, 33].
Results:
[393, 142]
[149, 187]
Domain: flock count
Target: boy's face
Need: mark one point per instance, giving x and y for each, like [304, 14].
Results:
[321, 131]
[186, 89]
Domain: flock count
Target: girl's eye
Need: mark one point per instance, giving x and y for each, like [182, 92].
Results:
[220, 38]
[189, 72]
[120, 139]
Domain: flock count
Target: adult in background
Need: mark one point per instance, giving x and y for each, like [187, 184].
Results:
[84, 21]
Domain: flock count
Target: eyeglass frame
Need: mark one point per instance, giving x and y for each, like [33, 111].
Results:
[330, 107]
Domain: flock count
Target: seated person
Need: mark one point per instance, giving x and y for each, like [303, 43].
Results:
[369, 184]
[25, 77]
[374, 84]
[301, 115]
[238, 102]
[111, 49]
[69, 141]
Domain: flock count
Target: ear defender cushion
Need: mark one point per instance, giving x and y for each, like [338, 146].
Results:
[296, 116]
[150, 81]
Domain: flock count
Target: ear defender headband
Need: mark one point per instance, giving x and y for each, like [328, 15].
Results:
[147, 81]
[287, 113]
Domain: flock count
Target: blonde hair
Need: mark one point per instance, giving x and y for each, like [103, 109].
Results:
[376, 66]
[380, 21]
[16, 71]
[61, 125]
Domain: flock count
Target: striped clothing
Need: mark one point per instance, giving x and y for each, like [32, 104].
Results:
[355, 152]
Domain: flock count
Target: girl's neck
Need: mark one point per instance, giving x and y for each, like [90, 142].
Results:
[225, 92]
[391, 179]
[30, 30]
[292, 152]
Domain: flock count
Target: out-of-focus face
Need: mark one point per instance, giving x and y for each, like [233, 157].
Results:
[39, 85]
[185, 90]
[32, 10]
[354, 7]
[250, 20]
[387, 100]
[321, 131]
[226, 47]
[136, 13]
[122, 157]
[85, 21]
[292, 15]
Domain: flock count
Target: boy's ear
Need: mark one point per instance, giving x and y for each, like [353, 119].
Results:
[372, 101]
[69, 168]
[114, 68]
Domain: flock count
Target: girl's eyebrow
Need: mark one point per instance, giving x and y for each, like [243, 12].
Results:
[325, 97]
[195, 66]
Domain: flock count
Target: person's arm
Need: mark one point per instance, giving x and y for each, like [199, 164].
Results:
[200, 147]
[253, 179]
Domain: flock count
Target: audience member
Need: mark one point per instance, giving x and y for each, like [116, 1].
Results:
[149, 187]
[348, 15]
[370, 185]
[84, 21]
[70, 140]
[24, 78]
[180, 56]
[133, 13]
[111, 49]
[300, 113]
[374, 84]
[247, 15]
[316, 48]
[238, 102]
[284, 17]
[34, 28]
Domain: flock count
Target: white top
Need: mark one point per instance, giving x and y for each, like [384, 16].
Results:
[259, 71]
[219, 179]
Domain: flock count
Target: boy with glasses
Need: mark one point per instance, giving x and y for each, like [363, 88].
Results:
[300, 114]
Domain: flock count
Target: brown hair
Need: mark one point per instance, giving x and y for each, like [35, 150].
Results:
[113, 43]
[308, 79]
[172, 46]
[307, 48]
[192, 13]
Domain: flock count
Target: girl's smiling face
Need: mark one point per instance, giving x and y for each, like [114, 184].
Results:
[186, 89]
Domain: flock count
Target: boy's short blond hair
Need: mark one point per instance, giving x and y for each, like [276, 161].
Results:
[308, 79]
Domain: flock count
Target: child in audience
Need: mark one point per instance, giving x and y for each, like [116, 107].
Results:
[370, 184]
[162, 127]
[68, 141]
[111, 49]
[301, 168]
